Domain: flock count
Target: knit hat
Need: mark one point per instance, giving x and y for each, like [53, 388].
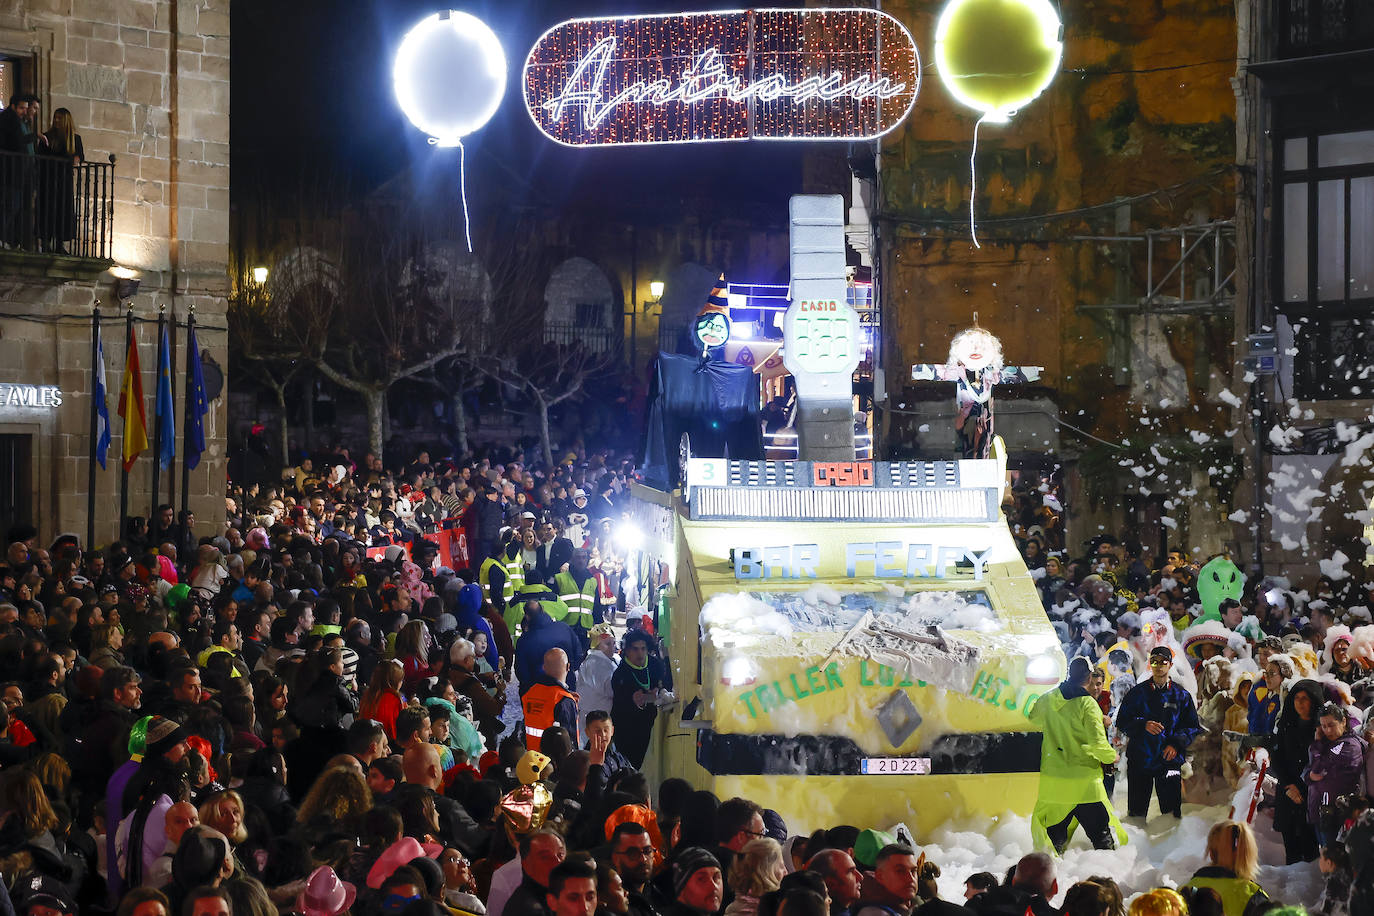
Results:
[325, 895]
[688, 862]
[163, 735]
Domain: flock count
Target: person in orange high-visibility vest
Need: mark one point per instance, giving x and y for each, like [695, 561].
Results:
[549, 702]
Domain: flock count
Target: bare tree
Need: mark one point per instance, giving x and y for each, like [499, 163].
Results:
[264, 346]
[519, 353]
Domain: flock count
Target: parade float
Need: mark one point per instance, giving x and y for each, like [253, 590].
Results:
[850, 641]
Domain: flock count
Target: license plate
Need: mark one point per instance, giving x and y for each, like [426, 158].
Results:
[897, 766]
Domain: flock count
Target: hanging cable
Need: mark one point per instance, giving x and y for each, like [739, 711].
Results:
[973, 183]
[463, 190]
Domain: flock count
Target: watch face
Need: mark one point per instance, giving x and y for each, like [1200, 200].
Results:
[711, 330]
[822, 343]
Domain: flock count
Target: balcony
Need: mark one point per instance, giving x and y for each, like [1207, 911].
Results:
[1308, 28]
[56, 218]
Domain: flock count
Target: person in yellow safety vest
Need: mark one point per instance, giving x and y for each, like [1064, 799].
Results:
[493, 575]
[534, 591]
[1072, 754]
[1233, 859]
[577, 588]
[549, 702]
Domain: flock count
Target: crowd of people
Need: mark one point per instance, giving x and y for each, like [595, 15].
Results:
[1201, 685]
[307, 712]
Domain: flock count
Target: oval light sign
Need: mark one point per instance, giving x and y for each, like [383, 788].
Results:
[783, 74]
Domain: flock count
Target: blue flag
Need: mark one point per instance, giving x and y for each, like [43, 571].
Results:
[198, 405]
[165, 409]
[101, 394]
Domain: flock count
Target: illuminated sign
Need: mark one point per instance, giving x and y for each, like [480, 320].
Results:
[40, 396]
[773, 74]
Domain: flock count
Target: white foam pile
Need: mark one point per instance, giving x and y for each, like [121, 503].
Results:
[1164, 854]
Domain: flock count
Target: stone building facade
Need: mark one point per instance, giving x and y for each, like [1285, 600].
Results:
[1135, 134]
[147, 85]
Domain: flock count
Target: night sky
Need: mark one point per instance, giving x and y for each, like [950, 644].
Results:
[312, 91]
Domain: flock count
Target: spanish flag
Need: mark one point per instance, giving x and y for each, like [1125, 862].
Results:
[131, 404]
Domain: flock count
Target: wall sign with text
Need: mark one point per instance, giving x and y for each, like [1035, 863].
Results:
[780, 74]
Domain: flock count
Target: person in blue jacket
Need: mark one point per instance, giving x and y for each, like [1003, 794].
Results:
[543, 633]
[1159, 720]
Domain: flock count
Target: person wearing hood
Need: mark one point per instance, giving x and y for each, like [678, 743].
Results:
[1074, 751]
[1335, 762]
[466, 602]
[1294, 734]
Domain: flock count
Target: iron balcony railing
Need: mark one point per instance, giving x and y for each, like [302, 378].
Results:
[52, 205]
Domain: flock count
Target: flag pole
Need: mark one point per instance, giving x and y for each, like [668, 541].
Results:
[157, 424]
[95, 419]
[124, 471]
[189, 406]
[172, 366]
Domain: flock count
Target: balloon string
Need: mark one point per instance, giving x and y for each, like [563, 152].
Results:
[973, 184]
[463, 190]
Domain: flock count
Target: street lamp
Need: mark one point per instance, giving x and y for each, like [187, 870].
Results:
[655, 290]
[126, 282]
[259, 275]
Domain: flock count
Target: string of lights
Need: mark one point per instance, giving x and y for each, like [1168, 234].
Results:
[810, 74]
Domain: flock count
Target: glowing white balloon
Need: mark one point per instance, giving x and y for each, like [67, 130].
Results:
[450, 75]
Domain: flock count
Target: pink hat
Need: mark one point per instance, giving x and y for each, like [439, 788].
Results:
[397, 854]
[324, 894]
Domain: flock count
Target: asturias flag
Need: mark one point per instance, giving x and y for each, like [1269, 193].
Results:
[198, 405]
[102, 409]
[165, 411]
[131, 405]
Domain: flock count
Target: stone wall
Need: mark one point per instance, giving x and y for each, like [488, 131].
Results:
[1142, 110]
[146, 81]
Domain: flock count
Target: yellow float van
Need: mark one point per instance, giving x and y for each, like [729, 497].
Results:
[852, 642]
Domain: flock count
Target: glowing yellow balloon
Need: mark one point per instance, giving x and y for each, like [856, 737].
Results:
[997, 55]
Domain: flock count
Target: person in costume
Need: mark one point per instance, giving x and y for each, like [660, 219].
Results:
[975, 366]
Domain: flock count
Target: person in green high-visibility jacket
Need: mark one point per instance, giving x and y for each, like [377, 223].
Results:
[577, 588]
[1072, 753]
[534, 591]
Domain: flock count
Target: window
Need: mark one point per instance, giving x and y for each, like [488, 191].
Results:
[1326, 260]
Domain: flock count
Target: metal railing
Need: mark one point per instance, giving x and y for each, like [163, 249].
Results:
[50, 205]
[598, 340]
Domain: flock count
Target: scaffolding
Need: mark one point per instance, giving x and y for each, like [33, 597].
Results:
[1189, 270]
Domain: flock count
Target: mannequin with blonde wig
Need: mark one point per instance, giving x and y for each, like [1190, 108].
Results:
[975, 366]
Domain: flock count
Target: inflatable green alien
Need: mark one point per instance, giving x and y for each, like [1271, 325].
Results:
[1218, 580]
